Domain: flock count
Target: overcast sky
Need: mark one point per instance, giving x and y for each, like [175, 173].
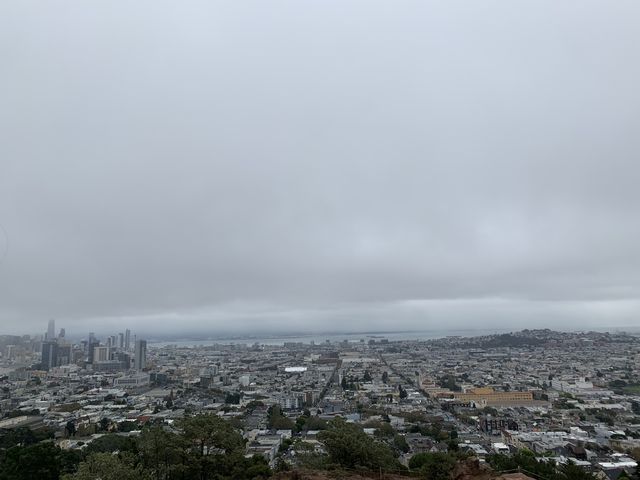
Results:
[319, 165]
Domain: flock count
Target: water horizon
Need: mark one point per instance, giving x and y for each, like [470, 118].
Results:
[356, 337]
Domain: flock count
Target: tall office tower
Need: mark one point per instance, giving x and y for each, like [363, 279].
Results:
[93, 343]
[100, 354]
[140, 359]
[64, 354]
[49, 355]
[127, 339]
[124, 359]
[121, 340]
[62, 333]
[51, 330]
[114, 341]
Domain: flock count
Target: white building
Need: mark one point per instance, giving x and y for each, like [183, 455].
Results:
[136, 380]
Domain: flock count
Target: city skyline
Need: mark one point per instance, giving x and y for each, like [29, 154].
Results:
[498, 397]
[111, 354]
[347, 239]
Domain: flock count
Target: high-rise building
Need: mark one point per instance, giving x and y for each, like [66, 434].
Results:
[140, 359]
[121, 340]
[124, 359]
[49, 355]
[51, 330]
[127, 339]
[64, 354]
[62, 333]
[100, 354]
[91, 346]
[11, 352]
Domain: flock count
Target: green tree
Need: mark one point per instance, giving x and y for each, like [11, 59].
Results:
[401, 443]
[42, 461]
[276, 420]
[112, 442]
[383, 430]
[70, 428]
[253, 404]
[23, 436]
[255, 468]
[348, 446]
[127, 426]
[106, 466]
[434, 466]
[215, 447]
[449, 381]
[164, 454]
[232, 398]
[104, 424]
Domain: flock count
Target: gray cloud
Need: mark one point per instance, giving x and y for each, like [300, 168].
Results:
[319, 166]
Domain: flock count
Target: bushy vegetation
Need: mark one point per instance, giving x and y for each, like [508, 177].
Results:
[201, 447]
[434, 466]
[205, 447]
[449, 381]
[23, 436]
[43, 461]
[349, 447]
[277, 420]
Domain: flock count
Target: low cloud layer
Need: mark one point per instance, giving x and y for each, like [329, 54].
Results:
[295, 166]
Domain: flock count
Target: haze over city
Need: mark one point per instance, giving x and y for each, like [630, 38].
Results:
[273, 167]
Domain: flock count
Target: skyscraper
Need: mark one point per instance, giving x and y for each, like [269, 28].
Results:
[140, 359]
[51, 330]
[49, 355]
[11, 352]
[100, 354]
[93, 343]
[64, 354]
[127, 339]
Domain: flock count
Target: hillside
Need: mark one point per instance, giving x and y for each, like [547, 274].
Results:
[469, 469]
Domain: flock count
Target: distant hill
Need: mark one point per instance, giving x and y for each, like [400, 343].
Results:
[511, 340]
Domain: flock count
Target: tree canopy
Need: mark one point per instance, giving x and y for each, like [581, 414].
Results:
[348, 446]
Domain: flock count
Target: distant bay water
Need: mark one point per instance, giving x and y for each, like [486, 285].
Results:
[321, 338]
[318, 338]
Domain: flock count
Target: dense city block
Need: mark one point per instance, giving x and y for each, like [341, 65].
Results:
[545, 403]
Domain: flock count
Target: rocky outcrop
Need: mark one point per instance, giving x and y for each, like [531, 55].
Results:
[514, 476]
[471, 469]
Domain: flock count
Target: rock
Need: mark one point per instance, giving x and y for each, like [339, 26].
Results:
[471, 469]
